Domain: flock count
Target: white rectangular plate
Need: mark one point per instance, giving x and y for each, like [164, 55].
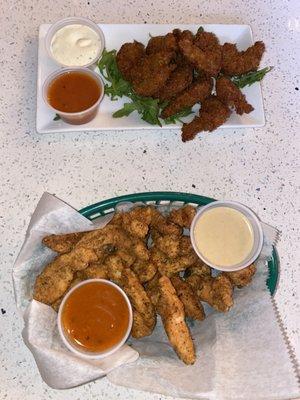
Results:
[115, 36]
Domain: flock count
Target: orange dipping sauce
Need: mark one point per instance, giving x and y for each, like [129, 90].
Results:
[95, 317]
[73, 92]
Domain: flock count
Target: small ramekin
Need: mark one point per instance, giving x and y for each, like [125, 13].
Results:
[72, 21]
[68, 343]
[76, 118]
[257, 234]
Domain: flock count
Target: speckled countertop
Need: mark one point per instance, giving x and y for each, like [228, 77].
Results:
[257, 167]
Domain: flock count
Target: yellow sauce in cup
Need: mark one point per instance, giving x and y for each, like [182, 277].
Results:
[224, 236]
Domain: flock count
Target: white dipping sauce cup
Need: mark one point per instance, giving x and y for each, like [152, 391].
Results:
[257, 234]
[69, 344]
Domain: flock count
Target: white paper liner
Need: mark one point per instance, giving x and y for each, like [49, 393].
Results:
[240, 355]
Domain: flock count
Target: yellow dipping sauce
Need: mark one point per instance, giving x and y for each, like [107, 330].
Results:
[224, 236]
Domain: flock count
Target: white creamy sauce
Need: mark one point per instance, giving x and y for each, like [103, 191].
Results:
[75, 45]
[224, 236]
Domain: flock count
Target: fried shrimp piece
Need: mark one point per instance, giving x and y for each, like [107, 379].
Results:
[183, 216]
[128, 56]
[195, 93]
[217, 292]
[145, 270]
[162, 43]
[243, 277]
[208, 61]
[139, 328]
[192, 307]
[62, 243]
[56, 277]
[231, 95]
[152, 72]
[171, 310]
[207, 41]
[213, 113]
[236, 62]
[179, 80]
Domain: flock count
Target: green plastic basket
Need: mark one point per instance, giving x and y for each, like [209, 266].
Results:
[108, 206]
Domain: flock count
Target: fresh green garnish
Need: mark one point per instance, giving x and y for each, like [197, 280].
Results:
[200, 29]
[56, 118]
[251, 77]
[149, 109]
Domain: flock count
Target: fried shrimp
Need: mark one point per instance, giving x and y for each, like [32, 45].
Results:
[128, 56]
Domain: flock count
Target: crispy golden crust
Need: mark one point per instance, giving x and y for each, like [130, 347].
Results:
[197, 92]
[217, 292]
[128, 56]
[172, 314]
[139, 327]
[145, 270]
[152, 72]
[243, 277]
[183, 216]
[178, 81]
[236, 62]
[192, 307]
[162, 43]
[213, 113]
[199, 268]
[206, 41]
[62, 243]
[231, 95]
[95, 271]
[183, 35]
[208, 61]
[168, 244]
[171, 266]
[161, 224]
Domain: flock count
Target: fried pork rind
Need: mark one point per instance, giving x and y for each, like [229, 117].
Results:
[217, 292]
[152, 72]
[178, 81]
[208, 61]
[171, 310]
[236, 62]
[162, 43]
[243, 277]
[197, 92]
[183, 216]
[231, 95]
[192, 307]
[128, 56]
[62, 243]
[213, 113]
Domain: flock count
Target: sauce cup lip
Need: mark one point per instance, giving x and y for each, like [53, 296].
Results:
[68, 343]
[254, 220]
[62, 71]
[72, 21]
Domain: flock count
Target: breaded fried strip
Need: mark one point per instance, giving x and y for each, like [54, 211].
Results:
[139, 328]
[161, 43]
[172, 314]
[243, 277]
[183, 216]
[128, 55]
[231, 95]
[152, 289]
[145, 270]
[178, 81]
[62, 243]
[95, 271]
[192, 307]
[55, 279]
[168, 244]
[170, 267]
[162, 225]
[195, 93]
[57, 303]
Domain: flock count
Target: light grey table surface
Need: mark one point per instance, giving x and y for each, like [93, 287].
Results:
[257, 167]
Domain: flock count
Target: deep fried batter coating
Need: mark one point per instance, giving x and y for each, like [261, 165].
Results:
[197, 92]
[243, 277]
[152, 72]
[236, 62]
[199, 268]
[163, 226]
[231, 95]
[213, 113]
[139, 328]
[56, 277]
[145, 270]
[172, 314]
[185, 246]
[206, 41]
[128, 56]
[169, 267]
[217, 292]
[57, 303]
[62, 243]
[208, 61]
[168, 244]
[162, 43]
[179, 80]
[183, 216]
[95, 271]
[183, 35]
[152, 289]
[192, 307]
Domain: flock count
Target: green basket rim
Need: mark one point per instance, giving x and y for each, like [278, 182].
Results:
[105, 207]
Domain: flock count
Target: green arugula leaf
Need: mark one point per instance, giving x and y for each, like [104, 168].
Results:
[177, 117]
[251, 77]
[56, 118]
[127, 109]
[200, 29]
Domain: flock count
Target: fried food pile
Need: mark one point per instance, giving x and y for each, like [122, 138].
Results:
[184, 69]
[149, 257]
